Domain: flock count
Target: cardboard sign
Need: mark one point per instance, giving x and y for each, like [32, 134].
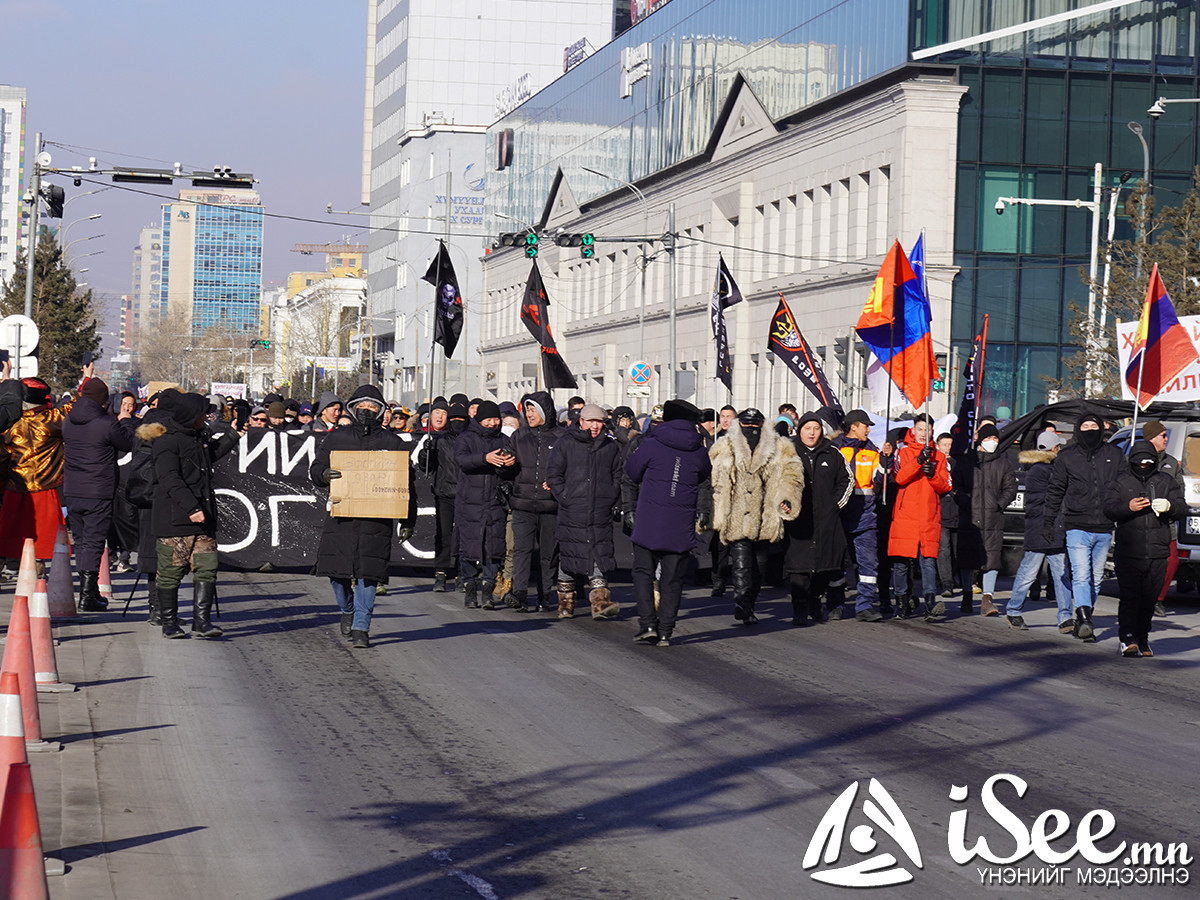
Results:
[155, 386]
[374, 484]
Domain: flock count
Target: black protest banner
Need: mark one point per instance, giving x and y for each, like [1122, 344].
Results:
[786, 342]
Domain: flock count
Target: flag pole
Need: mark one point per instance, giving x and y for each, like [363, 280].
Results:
[1137, 403]
[436, 314]
[925, 293]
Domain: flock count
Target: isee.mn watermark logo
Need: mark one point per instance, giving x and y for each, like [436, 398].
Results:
[1053, 851]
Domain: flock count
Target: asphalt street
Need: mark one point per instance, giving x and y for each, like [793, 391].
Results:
[490, 754]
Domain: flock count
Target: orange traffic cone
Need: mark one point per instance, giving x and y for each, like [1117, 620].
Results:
[61, 585]
[45, 664]
[12, 732]
[21, 864]
[27, 573]
[18, 657]
[104, 582]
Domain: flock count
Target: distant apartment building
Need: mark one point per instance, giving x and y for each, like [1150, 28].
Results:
[12, 175]
[212, 246]
[146, 299]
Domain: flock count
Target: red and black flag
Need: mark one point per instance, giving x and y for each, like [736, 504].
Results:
[786, 342]
[963, 431]
[535, 314]
[448, 323]
[725, 295]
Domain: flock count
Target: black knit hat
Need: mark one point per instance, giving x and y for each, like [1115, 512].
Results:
[488, 409]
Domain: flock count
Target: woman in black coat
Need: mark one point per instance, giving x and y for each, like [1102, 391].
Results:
[991, 484]
[484, 456]
[534, 509]
[355, 552]
[585, 479]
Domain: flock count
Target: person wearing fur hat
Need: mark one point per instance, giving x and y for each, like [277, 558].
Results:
[671, 468]
[184, 514]
[485, 458]
[757, 483]
[34, 447]
[1143, 501]
[92, 440]
[355, 552]
[988, 479]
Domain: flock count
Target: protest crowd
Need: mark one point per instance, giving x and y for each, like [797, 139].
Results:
[527, 500]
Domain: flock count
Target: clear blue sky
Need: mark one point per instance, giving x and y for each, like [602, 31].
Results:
[273, 87]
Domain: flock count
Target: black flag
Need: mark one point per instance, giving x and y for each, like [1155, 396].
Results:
[448, 323]
[535, 314]
[963, 431]
[786, 342]
[725, 295]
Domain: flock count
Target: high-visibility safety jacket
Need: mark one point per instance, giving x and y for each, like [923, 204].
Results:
[862, 457]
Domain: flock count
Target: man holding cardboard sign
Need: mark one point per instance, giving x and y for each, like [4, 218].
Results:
[356, 542]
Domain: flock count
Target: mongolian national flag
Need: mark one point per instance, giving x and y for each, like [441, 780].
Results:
[1161, 346]
[535, 313]
[786, 342]
[895, 326]
[725, 295]
[448, 323]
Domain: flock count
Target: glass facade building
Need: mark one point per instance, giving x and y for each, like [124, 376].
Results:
[1052, 86]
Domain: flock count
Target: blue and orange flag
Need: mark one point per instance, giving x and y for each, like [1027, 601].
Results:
[1161, 346]
[895, 326]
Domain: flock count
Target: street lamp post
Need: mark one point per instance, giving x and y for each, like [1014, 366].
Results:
[1094, 205]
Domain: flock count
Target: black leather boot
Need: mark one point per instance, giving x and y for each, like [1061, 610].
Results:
[439, 582]
[470, 593]
[89, 593]
[155, 618]
[168, 608]
[488, 594]
[203, 593]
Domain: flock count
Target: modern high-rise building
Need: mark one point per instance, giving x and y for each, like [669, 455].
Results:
[438, 73]
[212, 246]
[799, 141]
[12, 175]
[147, 280]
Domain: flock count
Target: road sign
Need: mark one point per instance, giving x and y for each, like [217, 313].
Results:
[18, 334]
[638, 392]
[640, 373]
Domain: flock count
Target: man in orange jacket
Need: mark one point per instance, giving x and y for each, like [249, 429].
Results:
[921, 477]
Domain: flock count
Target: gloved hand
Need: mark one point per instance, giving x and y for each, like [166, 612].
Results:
[1161, 505]
[929, 467]
[627, 523]
[329, 474]
[703, 521]
[404, 532]
[616, 511]
[925, 455]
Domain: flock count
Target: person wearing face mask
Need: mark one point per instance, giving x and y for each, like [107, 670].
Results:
[355, 552]
[1143, 501]
[757, 483]
[989, 480]
[1079, 481]
[484, 456]
[435, 460]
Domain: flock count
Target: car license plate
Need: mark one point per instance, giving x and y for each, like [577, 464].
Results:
[1018, 504]
[1193, 525]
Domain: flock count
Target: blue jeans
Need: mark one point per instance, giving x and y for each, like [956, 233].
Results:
[928, 567]
[1087, 551]
[361, 602]
[1027, 572]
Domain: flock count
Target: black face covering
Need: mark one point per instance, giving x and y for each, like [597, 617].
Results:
[457, 426]
[1090, 440]
[752, 435]
[366, 420]
[491, 432]
[1143, 467]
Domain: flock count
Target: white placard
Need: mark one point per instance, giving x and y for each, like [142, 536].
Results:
[18, 335]
[228, 389]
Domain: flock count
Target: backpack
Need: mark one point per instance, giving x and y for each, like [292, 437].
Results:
[139, 483]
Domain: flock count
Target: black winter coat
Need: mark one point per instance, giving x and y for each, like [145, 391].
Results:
[1037, 479]
[1144, 534]
[816, 541]
[353, 547]
[183, 460]
[532, 447]
[1079, 482]
[479, 513]
[992, 485]
[437, 458]
[153, 426]
[671, 466]
[92, 440]
[585, 479]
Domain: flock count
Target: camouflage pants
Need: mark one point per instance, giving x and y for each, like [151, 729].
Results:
[176, 555]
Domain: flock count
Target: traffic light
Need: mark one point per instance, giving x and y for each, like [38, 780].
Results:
[259, 342]
[142, 176]
[55, 197]
[222, 177]
[526, 239]
[939, 377]
[585, 242]
[841, 352]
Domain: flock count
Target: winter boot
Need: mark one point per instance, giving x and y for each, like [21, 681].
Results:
[360, 640]
[89, 593]
[987, 607]
[488, 593]
[518, 602]
[603, 605]
[902, 607]
[155, 618]
[967, 606]
[439, 582]
[1083, 625]
[347, 623]
[934, 608]
[204, 592]
[470, 593]
[566, 599]
[168, 608]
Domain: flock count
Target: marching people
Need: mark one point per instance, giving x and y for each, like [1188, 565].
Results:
[816, 542]
[534, 510]
[584, 477]
[1079, 480]
[947, 562]
[671, 468]
[757, 484]
[989, 480]
[184, 515]
[436, 460]
[1156, 433]
[329, 408]
[139, 491]
[355, 552]
[484, 456]
[921, 478]
[858, 515]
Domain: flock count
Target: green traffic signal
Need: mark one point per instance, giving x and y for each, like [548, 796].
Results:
[587, 248]
[531, 245]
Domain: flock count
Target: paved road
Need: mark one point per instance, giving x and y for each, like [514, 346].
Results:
[486, 754]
